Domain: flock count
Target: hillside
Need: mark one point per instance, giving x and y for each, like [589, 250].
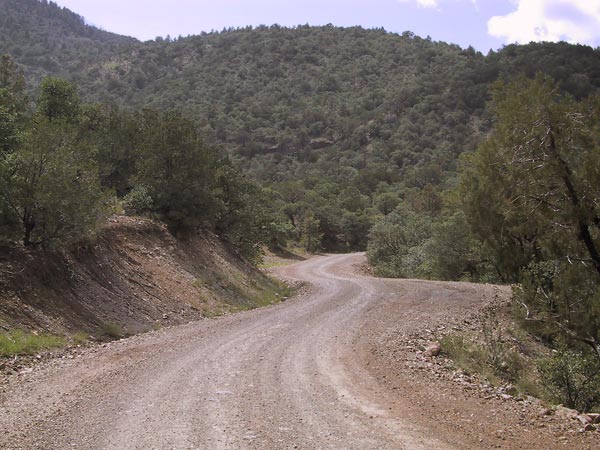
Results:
[135, 276]
[48, 39]
[342, 124]
[294, 98]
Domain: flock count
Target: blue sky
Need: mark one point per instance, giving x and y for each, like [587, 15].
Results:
[485, 24]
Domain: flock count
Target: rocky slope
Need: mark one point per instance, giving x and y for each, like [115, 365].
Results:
[135, 276]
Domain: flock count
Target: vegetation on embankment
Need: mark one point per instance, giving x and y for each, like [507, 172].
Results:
[525, 211]
[19, 342]
[66, 166]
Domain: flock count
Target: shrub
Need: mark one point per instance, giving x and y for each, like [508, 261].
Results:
[137, 201]
[112, 331]
[573, 378]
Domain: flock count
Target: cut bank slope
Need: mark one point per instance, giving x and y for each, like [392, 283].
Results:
[135, 275]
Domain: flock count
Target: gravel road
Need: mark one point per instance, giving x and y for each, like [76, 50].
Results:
[293, 375]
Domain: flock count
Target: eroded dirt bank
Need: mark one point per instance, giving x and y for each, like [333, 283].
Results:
[135, 275]
[319, 371]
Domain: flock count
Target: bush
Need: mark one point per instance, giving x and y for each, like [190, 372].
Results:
[112, 331]
[490, 359]
[573, 378]
[137, 201]
[395, 246]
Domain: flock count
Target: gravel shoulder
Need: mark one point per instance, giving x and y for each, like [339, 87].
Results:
[329, 368]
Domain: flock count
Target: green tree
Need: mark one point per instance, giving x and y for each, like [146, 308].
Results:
[117, 135]
[396, 244]
[310, 234]
[13, 104]
[244, 217]
[53, 189]
[50, 189]
[453, 252]
[178, 170]
[59, 99]
[536, 178]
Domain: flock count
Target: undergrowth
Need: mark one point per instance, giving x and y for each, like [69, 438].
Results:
[112, 331]
[19, 342]
[508, 355]
[499, 356]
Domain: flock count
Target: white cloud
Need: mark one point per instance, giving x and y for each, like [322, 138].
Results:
[428, 3]
[424, 3]
[575, 21]
[434, 3]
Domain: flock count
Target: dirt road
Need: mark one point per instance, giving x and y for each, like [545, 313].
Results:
[295, 375]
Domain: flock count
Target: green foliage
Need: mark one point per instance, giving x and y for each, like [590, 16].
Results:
[358, 120]
[310, 237]
[396, 244]
[560, 299]
[573, 378]
[465, 354]
[50, 191]
[112, 331]
[13, 103]
[58, 100]
[80, 338]
[117, 136]
[138, 201]
[177, 169]
[53, 181]
[377, 117]
[490, 358]
[531, 194]
[19, 342]
[244, 217]
[454, 253]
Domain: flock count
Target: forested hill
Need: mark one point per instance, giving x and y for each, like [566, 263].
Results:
[47, 39]
[345, 122]
[345, 95]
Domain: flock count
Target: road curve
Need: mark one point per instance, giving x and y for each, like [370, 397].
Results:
[286, 376]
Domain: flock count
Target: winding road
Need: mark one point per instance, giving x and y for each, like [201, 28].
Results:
[287, 376]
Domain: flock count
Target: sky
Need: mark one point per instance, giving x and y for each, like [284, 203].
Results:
[484, 24]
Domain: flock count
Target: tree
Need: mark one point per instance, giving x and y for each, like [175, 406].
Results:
[13, 106]
[244, 217]
[540, 169]
[50, 191]
[453, 252]
[117, 135]
[310, 235]
[59, 100]
[53, 189]
[178, 170]
[396, 244]
[13, 103]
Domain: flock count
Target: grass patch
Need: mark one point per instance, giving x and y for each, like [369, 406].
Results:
[467, 355]
[112, 331]
[217, 311]
[80, 338]
[273, 263]
[275, 293]
[19, 342]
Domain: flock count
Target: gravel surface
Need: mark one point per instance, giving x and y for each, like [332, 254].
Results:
[328, 369]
